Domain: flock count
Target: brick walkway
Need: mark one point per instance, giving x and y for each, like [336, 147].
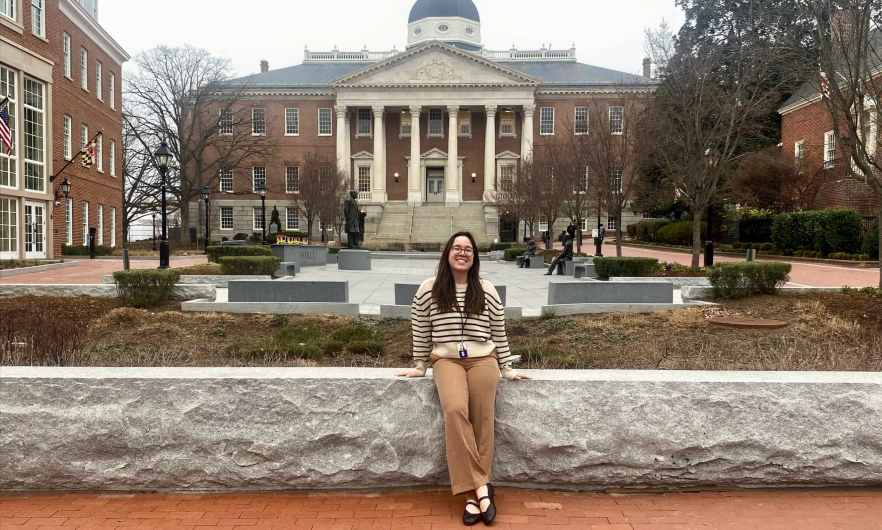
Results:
[437, 510]
[91, 270]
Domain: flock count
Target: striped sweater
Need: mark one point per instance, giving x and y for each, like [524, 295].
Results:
[439, 334]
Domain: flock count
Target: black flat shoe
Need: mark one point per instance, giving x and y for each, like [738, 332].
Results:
[469, 518]
[490, 514]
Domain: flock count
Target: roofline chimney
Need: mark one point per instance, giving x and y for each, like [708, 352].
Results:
[264, 66]
[647, 67]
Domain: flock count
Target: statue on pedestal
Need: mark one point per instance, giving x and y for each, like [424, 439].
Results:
[352, 217]
[566, 255]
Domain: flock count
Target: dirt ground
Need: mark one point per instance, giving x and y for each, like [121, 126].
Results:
[825, 332]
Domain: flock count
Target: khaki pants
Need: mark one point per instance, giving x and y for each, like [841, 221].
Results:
[467, 388]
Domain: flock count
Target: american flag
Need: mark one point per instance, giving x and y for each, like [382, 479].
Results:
[5, 133]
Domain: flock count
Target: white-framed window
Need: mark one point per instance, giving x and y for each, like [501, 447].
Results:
[610, 222]
[829, 149]
[506, 122]
[584, 226]
[292, 179]
[65, 50]
[292, 122]
[506, 177]
[616, 119]
[111, 89]
[868, 131]
[464, 121]
[581, 120]
[364, 179]
[226, 217]
[615, 180]
[325, 123]
[68, 221]
[112, 159]
[34, 123]
[226, 180]
[406, 123]
[257, 214]
[113, 226]
[9, 161]
[799, 149]
[99, 235]
[84, 69]
[546, 120]
[225, 121]
[84, 134]
[363, 128]
[543, 225]
[325, 175]
[38, 18]
[99, 82]
[292, 218]
[258, 122]
[85, 222]
[436, 122]
[258, 177]
[9, 228]
[68, 143]
[99, 153]
[7, 8]
[582, 186]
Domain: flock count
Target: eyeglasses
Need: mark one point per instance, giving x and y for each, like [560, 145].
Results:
[468, 251]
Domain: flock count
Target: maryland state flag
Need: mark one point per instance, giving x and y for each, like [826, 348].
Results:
[88, 152]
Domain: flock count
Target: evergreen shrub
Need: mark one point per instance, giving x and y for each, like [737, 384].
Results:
[647, 230]
[511, 254]
[500, 246]
[870, 245]
[821, 231]
[219, 251]
[145, 287]
[625, 267]
[249, 265]
[737, 279]
[83, 250]
[679, 233]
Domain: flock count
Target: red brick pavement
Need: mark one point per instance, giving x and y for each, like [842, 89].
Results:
[848, 509]
[91, 270]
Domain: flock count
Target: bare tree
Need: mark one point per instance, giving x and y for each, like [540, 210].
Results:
[658, 45]
[571, 186]
[320, 187]
[772, 179]
[515, 195]
[140, 176]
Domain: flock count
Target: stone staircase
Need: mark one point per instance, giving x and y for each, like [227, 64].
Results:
[429, 223]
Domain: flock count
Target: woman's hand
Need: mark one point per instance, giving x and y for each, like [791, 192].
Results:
[409, 373]
[521, 376]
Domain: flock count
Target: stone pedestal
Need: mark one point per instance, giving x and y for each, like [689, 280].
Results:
[354, 260]
[538, 262]
[305, 255]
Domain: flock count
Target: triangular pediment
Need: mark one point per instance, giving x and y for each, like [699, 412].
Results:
[434, 153]
[433, 64]
[363, 155]
[506, 155]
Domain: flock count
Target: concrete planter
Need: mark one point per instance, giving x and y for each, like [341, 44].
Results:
[584, 292]
[181, 292]
[218, 280]
[305, 255]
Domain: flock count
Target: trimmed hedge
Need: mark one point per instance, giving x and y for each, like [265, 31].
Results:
[737, 279]
[511, 254]
[249, 265]
[83, 250]
[619, 267]
[823, 231]
[145, 287]
[219, 251]
[647, 230]
[500, 246]
[679, 233]
[870, 246]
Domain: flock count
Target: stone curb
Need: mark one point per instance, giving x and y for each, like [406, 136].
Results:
[678, 281]
[171, 258]
[181, 292]
[697, 293]
[38, 268]
[273, 308]
[218, 280]
[586, 309]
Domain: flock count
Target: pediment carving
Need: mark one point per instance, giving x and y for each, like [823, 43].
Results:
[435, 70]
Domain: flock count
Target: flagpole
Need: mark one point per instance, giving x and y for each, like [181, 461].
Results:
[69, 162]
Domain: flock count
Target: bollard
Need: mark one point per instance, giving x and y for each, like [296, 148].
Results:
[125, 259]
[92, 232]
[751, 254]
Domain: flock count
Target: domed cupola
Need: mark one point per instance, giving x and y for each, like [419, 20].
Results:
[455, 22]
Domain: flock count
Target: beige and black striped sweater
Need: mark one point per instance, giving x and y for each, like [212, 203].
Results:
[439, 334]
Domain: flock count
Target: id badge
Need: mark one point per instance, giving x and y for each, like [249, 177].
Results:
[463, 352]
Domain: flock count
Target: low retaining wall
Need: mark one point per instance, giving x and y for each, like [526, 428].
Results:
[180, 292]
[288, 428]
[218, 280]
[38, 268]
[678, 281]
[695, 293]
[611, 292]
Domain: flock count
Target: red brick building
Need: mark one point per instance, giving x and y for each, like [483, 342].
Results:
[63, 73]
[424, 134]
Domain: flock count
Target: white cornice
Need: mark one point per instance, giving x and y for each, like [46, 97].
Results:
[93, 30]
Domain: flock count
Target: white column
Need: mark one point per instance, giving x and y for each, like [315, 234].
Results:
[348, 153]
[342, 137]
[414, 172]
[490, 153]
[378, 191]
[452, 178]
[527, 136]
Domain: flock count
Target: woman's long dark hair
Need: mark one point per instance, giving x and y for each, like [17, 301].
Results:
[444, 289]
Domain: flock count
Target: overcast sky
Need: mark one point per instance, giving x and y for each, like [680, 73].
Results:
[606, 33]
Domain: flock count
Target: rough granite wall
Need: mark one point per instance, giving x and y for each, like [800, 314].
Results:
[250, 428]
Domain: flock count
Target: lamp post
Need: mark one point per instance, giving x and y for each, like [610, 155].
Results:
[65, 187]
[206, 196]
[162, 157]
[712, 158]
[153, 214]
[261, 190]
[598, 241]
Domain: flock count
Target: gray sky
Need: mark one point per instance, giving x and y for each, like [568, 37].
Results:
[606, 33]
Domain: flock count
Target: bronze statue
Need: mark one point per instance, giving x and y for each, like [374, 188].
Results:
[352, 217]
[531, 251]
[566, 254]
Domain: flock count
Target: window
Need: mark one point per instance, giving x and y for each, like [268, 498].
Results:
[325, 127]
[99, 93]
[615, 180]
[799, 150]
[292, 179]
[364, 179]
[99, 236]
[112, 226]
[406, 123]
[616, 117]
[292, 122]
[84, 134]
[257, 214]
[610, 222]
[581, 120]
[85, 222]
[543, 226]
[364, 123]
[583, 181]
[34, 136]
[258, 177]
[258, 121]
[68, 143]
[68, 221]
[225, 122]
[65, 49]
[9, 227]
[829, 149]
[506, 122]
[506, 177]
[112, 158]
[7, 8]
[226, 180]
[325, 175]
[99, 152]
[292, 218]
[84, 69]
[9, 161]
[226, 217]
[868, 131]
[546, 120]
[464, 120]
[436, 127]
[38, 21]
[111, 89]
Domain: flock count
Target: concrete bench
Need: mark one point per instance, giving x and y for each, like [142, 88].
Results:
[610, 293]
[404, 293]
[354, 260]
[305, 255]
[584, 270]
[288, 291]
[332, 258]
[288, 269]
[570, 266]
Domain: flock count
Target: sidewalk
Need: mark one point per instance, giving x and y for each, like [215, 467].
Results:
[438, 510]
[91, 270]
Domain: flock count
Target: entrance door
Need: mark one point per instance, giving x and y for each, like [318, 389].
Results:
[35, 230]
[434, 184]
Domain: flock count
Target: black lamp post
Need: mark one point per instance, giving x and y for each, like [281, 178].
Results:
[206, 196]
[261, 190]
[712, 157]
[598, 241]
[153, 214]
[163, 155]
